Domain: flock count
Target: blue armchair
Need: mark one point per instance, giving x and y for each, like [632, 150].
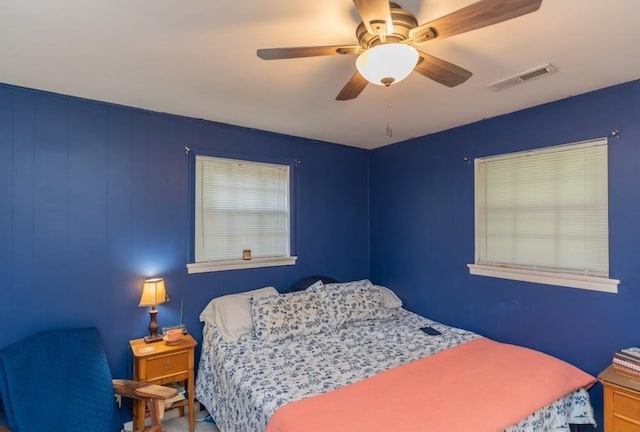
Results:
[59, 380]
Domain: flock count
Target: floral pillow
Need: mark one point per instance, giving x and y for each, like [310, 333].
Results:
[288, 315]
[355, 301]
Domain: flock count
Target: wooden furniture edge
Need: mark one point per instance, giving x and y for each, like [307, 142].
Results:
[613, 377]
[142, 390]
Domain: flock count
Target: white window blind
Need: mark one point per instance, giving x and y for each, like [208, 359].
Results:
[240, 205]
[544, 210]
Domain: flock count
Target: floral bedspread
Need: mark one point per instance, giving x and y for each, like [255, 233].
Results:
[242, 383]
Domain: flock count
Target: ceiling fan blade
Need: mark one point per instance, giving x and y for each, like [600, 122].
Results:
[477, 15]
[441, 71]
[353, 88]
[376, 16]
[296, 52]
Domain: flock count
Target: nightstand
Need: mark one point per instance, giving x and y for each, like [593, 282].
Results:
[159, 363]
[621, 401]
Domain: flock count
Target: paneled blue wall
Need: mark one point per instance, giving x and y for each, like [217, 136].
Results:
[94, 199]
[422, 234]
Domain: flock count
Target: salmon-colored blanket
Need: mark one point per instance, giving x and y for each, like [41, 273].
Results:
[480, 386]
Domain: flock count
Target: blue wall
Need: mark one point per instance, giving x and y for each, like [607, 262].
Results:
[94, 199]
[422, 234]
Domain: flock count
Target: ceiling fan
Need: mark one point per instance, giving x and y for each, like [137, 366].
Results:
[389, 39]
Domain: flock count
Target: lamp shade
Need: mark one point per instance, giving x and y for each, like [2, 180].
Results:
[387, 64]
[153, 292]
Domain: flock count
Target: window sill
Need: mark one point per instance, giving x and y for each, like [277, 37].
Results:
[568, 280]
[212, 266]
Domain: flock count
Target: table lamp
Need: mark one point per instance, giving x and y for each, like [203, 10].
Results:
[153, 294]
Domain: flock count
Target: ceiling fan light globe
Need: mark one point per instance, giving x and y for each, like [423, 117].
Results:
[387, 64]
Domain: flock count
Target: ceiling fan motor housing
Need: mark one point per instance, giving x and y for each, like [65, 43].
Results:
[403, 21]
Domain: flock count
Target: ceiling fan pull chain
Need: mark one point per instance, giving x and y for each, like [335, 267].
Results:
[389, 111]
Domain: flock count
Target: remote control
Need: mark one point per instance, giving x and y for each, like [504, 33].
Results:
[430, 331]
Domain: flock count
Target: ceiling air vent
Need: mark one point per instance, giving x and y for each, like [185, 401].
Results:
[523, 77]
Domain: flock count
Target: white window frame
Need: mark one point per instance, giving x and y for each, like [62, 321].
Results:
[531, 273]
[201, 265]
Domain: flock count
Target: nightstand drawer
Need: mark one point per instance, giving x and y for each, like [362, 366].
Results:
[624, 425]
[167, 365]
[626, 404]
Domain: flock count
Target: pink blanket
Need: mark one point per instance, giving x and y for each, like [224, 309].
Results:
[481, 385]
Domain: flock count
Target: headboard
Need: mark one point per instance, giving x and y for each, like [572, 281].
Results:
[306, 282]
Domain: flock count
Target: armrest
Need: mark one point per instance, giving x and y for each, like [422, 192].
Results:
[142, 390]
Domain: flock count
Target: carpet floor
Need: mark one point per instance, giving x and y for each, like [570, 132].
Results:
[181, 424]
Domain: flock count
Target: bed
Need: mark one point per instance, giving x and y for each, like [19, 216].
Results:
[253, 370]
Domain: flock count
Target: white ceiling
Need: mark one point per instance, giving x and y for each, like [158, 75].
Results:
[198, 58]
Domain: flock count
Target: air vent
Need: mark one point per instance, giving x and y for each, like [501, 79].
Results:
[523, 77]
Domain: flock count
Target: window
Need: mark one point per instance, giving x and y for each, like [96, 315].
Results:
[240, 205]
[542, 216]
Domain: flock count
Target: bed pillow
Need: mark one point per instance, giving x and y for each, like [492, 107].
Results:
[389, 299]
[355, 301]
[315, 286]
[231, 314]
[288, 315]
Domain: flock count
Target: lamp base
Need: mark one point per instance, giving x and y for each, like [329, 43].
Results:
[153, 335]
[154, 338]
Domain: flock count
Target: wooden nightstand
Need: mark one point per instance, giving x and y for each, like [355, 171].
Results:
[159, 363]
[621, 401]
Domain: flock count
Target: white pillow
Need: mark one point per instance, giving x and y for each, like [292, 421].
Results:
[389, 298]
[231, 314]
